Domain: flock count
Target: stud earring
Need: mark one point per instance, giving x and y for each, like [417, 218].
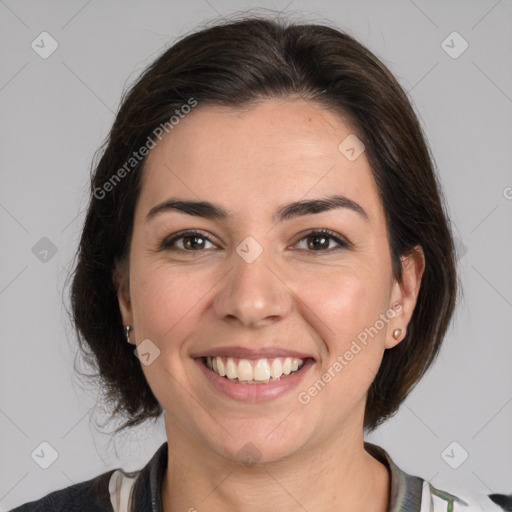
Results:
[127, 330]
[396, 333]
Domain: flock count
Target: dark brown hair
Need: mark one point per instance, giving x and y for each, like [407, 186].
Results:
[237, 63]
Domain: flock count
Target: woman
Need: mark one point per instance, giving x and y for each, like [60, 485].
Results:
[267, 260]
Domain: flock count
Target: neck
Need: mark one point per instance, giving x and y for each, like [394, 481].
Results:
[336, 476]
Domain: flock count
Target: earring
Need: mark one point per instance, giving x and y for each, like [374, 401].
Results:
[396, 333]
[127, 330]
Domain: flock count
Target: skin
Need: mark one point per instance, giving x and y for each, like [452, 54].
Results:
[315, 301]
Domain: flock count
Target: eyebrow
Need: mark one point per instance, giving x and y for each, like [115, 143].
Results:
[289, 211]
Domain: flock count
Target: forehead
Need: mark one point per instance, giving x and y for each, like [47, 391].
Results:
[273, 152]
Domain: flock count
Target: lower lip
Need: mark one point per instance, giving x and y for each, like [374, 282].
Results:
[255, 392]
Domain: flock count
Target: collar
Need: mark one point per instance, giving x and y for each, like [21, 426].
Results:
[404, 496]
[405, 490]
[147, 490]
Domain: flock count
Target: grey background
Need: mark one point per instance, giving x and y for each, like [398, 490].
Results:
[55, 114]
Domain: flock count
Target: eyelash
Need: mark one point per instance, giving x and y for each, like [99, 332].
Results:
[167, 244]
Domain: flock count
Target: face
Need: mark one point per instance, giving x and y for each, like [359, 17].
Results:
[262, 293]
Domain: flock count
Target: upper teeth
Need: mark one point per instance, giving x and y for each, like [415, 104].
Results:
[261, 370]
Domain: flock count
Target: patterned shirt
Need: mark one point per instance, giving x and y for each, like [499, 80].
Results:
[119, 491]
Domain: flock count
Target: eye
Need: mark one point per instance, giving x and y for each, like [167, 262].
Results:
[190, 241]
[319, 240]
[194, 241]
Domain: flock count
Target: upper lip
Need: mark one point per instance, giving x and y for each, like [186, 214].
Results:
[251, 353]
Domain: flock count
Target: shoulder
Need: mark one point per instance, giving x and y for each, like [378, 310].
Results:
[113, 491]
[89, 496]
[463, 500]
[410, 493]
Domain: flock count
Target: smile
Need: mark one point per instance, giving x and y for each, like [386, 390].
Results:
[253, 375]
[253, 371]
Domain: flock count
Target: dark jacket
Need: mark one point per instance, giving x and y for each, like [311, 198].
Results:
[407, 492]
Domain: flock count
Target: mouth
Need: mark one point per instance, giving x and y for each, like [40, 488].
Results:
[253, 371]
[253, 375]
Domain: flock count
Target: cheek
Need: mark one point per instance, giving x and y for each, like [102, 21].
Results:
[339, 303]
[343, 310]
[165, 302]
[346, 302]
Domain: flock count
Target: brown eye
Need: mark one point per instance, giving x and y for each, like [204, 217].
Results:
[195, 241]
[320, 240]
[191, 241]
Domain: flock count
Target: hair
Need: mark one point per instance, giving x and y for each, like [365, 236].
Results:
[238, 63]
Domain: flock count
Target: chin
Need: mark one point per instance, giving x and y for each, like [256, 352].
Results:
[258, 444]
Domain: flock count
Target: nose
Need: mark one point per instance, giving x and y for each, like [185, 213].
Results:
[253, 294]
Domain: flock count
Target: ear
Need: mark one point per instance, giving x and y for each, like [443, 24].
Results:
[121, 280]
[405, 293]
